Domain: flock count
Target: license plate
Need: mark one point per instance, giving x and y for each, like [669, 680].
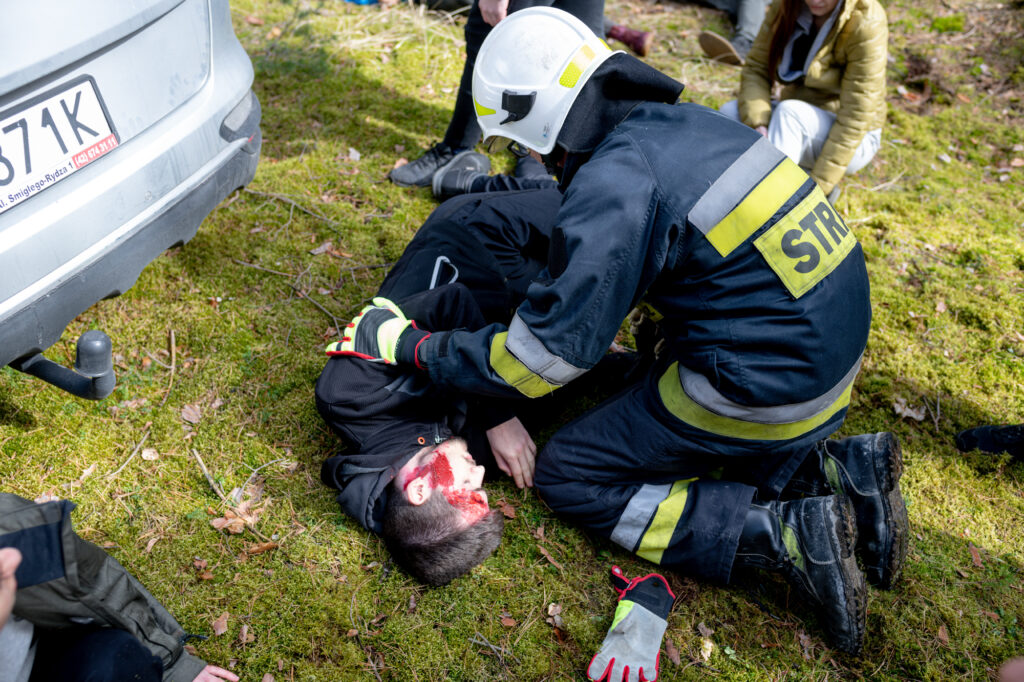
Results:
[49, 138]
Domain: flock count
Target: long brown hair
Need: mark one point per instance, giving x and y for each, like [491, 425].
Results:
[782, 29]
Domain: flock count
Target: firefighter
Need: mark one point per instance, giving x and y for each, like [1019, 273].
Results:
[717, 461]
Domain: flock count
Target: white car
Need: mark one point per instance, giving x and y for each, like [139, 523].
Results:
[122, 125]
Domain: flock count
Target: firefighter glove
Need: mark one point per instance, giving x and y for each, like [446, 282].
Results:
[379, 333]
[632, 647]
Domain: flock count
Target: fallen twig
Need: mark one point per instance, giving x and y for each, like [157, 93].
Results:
[496, 650]
[224, 498]
[293, 203]
[325, 311]
[253, 475]
[263, 269]
[170, 384]
[134, 452]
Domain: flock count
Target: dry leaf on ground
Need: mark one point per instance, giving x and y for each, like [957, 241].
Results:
[976, 556]
[220, 626]
[547, 555]
[902, 409]
[943, 635]
[191, 414]
[150, 454]
[672, 652]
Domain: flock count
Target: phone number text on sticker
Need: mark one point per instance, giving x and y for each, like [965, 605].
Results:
[49, 138]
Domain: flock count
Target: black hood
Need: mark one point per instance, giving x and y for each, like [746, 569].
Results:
[618, 85]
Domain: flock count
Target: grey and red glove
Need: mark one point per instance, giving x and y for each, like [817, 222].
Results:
[632, 648]
[381, 333]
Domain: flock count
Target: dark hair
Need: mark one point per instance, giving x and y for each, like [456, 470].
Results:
[432, 542]
[782, 29]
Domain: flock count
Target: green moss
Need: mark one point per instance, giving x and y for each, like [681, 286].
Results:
[954, 23]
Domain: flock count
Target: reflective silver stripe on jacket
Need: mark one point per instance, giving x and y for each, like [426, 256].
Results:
[528, 349]
[704, 394]
[734, 184]
[638, 514]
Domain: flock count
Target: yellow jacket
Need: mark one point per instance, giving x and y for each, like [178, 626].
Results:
[846, 77]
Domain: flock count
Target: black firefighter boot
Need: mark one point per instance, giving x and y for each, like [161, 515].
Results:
[867, 468]
[811, 543]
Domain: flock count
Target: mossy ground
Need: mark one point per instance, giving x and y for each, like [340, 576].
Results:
[347, 90]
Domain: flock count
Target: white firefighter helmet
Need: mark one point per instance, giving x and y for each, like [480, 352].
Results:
[529, 71]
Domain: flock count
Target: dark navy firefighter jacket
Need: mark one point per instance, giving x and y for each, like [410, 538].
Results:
[762, 286]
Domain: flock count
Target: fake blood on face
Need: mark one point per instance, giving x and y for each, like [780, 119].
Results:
[438, 472]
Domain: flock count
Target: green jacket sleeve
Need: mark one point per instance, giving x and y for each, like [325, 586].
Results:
[755, 100]
[863, 45]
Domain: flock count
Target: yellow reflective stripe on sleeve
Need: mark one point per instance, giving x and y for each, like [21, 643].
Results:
[686, 410]
[757, 207]
[515, 373]
[807, 244]
[580, 61]
[659, 535]
[481, 110]
[336, 346]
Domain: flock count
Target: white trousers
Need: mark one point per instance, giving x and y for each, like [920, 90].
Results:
[799, 131]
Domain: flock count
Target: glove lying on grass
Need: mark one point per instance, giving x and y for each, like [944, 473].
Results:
[632, 647]
[380, 333]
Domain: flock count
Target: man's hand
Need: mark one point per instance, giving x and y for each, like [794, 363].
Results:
[212, 673]
[374, 333]
[10, 559]
[514, 451]
[493, 11]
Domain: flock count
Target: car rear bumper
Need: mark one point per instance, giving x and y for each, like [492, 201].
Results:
[39, 324]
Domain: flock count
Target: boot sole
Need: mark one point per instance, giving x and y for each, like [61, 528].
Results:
[856, 588]
[888, 470]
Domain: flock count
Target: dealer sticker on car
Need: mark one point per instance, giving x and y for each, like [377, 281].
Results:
[50, 137]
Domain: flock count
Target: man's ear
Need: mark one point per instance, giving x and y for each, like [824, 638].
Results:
[418, 491]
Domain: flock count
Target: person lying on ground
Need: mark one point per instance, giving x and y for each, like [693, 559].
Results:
[718, 460]
[416, 455]
[70, 612]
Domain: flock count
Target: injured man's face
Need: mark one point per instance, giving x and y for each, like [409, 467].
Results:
[449, 470]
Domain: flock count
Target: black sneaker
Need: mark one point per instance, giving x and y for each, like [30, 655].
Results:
[420, 172]
[995, 439]
[867, 469]
[457, 176]
[811, 543]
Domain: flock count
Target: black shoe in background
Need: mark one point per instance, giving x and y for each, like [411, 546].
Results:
[995, 439]
[420, 173]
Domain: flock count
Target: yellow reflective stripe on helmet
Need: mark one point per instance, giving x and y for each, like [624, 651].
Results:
[516, 374]
[580, 61]
[757, 207]
[686, 410]
[481, 110]
[659, 535]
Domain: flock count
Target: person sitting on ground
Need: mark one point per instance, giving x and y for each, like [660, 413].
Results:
[410, 472]
[830, 56]
[70, 612]
[747, 17]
